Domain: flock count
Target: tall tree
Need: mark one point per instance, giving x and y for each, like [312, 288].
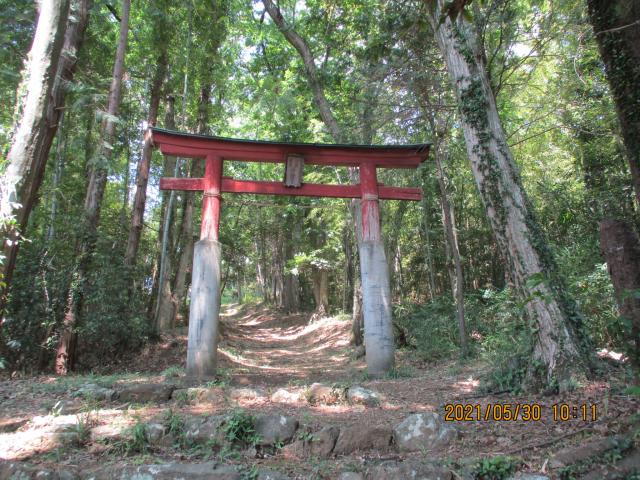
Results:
[616, 25]
[32, 136]
[65, 352]
[160, 32]
[559, 345]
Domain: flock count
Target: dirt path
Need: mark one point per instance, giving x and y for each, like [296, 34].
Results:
[264, 348]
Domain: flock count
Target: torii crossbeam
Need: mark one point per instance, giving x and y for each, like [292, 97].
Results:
[205, 284]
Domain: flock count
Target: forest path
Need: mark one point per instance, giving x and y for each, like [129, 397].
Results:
[263, 347]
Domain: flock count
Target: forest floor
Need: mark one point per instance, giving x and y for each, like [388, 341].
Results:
[268, 363]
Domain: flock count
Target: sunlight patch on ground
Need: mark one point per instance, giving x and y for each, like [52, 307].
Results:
[467, 386]
[610, 354]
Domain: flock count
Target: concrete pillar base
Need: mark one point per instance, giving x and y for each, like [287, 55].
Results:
[204, 310]
[376, 309]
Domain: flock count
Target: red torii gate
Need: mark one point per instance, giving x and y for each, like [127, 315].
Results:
[205, 285]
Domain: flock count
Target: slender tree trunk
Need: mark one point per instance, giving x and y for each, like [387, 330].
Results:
[427, 236]
[167, 214]
[616, 24]
[291, 300]
[320, 293]
[25, 161]
[142, 177]
[454, 264]
[57, 178]
[560, 345]
[186, 231]
[65, 354]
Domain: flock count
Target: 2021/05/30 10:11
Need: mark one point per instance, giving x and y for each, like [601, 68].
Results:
[563, 412]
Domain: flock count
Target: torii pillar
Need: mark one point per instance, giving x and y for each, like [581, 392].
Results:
[374, 272]
[204, 310]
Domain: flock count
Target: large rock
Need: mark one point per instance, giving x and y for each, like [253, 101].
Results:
[20, 471]
[197, 395]
[319, 445]
[584, 451]
[92, 391]
[362, 437]
[268, 474]
[408, 470]
[146, 392]
[168, 471]
[423, 432]
[319, 393]
[282, 395]
[107, 432]
[203, 430]
[275, 428]
[362, 396]
[247, 394]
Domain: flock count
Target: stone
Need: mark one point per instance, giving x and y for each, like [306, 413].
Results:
[168, 471]
[423, 432]
[11, 425]
[320, 444]
[296, 450]
[92, 391]
[154, 433]
[202, 430]
[282, 395]
[107, 432]
[408, 470]
[20, 471]
[627, 467]
[323, 442]
[240, 394]
[357, 395]
[580, 453]
[197, 395]
[146, 392]
[275, 428]
[350, 476]
[362, 437]
[268, 474]
[319, 393]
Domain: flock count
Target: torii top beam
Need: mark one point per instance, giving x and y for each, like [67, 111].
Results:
[199, 146]
[216, 150]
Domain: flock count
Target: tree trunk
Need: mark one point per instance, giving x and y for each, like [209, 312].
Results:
[454, 265]
[621, 250]
[33, 134]
[291, 292]
[320, 293]
[142, 177]
[560, 345]
[57, 178]
[186, 230]
[65, 354]
[167, 225]
[616, 24]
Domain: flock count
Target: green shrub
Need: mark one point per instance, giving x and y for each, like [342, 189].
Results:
[496, 468]
[239, 428]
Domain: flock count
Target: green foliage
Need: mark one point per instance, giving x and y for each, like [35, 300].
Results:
[133, 442]
[496, 468]
[239, 428]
